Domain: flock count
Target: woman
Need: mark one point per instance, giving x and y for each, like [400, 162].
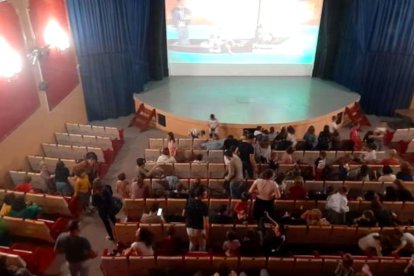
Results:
[213, 125]
[122, 186]
[388, 175]
[367, 219]
[405, 172]
[298, 191]
[291, 138]
[287, 157]
[403, 193]
[266, 191]
[310, 138]
[19, 209]
[354, 136]
[171, 144]
[49, 185]
[139, 189]
[324, 139]
[61, 179]
[344, 267]
[102, 200]
[143, 245]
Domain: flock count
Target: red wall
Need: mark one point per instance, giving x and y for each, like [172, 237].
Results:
[58, 68]
[18, 96]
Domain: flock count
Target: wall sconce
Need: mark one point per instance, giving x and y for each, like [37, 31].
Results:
[11, 62]
[55, 36]
[37, 53]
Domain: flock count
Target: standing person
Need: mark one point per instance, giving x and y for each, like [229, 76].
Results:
[406, 242]
[333, 126]
[213, 125]
[246, 151]
[354, 136]
[77, 250]
[291, 137]
[337, 206]
[181, 18]
[102, 200]
[196, 214]
[171, 144]
[46, 176]
[82, 189]
[266, 190]
[61, 179]
[166, 157]
[234, 174]
[89, 165]
[371, 244]
[122, 186]
[229, 142]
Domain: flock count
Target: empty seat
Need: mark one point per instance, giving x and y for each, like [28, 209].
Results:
[125, 232]
[319, 234]
[330, 156]
[204, 153]
[133, 208]
[252, 263]
[314, 185]
[175, 206]
[185, 143]
[161, 202]
[182, 170]
[76, 140]
[156, 143]
[152, 154]
[174, 263]
[197, 143]
[62, 138]
[230, 262]
[309, 157]
[215, 156]
[296, 234]
[196, 263]
[114, 265]
[141, 265]
[216, 170]
[215, 203]
[281, 266]
[308, 266]
[199, 170]
[180, 230]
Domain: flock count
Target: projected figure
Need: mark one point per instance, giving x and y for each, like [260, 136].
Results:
[181, 17]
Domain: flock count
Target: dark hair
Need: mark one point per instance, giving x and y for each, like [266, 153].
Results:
[323, 154]
[198, 191]
[311, 130]
[91, 155]
[228, 153]
[369, 214]
[347, 260]
[291, 130]
[244, 196]
[230, 137]
[222, 208]
[387, 170]
[364, 170]
[165, 151]
[19, 203]
[343, 189]
[140, 161]
[145, 236]
[60, 165]
[268, 174]
[73, 225]
[122, 176]
[325, 129]
[154, 207]
[405, 168]
[212, 117]
[9, 198]
[171, 136]
[231, 236]
[290, 150]
[79, 172]
[170, 230]
[233, 148]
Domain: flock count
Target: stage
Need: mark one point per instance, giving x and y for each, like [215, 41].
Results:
[183, 103]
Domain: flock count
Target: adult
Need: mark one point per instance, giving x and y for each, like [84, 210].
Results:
[287, 157]
[367, 219]
[403, 193]
[165, 157]
[171, 144]
[272, 134]
[324, 139]
[291, 137]
[90, 166]
[320, 164]
[314, 217]
[7, 204]
[122, 186]
[181, 19]
[250, 244]
[298, 191]
[26, 186]
[371, 244]
[371, 155]
[231, 245]
[143, 244]
[229, 142]
[213, 125]
[152, 216]
[333, 125]
[392, 159]
[76, 248]
[19, 209]
[405, 172]
[344, 267]
[387, 174]
[336, 143]
[266, 191]
[139, 189]
[197, 223]
[234, 174]
[310, 138]
[406, 242]
[62, 174]
[337, 206]
[170, 245]
[275, 239]
[384, 216]
[355, 138]
[142, 172]
[246, 151]
[102, 200]
[82, 189]
[47, 178]
[262, 150]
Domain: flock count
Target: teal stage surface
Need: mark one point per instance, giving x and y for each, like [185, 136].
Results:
[247, 100]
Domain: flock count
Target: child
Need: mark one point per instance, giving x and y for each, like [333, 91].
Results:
[232, 245]
[82, 189]
[242, 208]
[122, 186]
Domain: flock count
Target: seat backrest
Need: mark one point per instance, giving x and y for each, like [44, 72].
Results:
[314, 185]
[17, 176]
[182, 170]
[161, 202]
[50, 150]
[104, 143]
[308, 266]
[249, 263]
[72, 128]
[112, 132]
[334, 184]
[125, 232]
[133, 208]
[346, 235]
[27, 228]
[309, 157]
[195, 263]
[216, 170]
[13, 259]
[152, 154]
[231, 262]
[174, 263]
[197, 143]
[156, 143]
[216, 203]
[218, 231]
[185, 143]
[330, 156]
[155, 228]
[375, 186]
[280, 266]
[319, 234]
[180, 230]
[114, 265]
[216, 187]
[79, 152]
[98, 151]
[34, 162]
[215, 156]
[86, 129]
[141, 265]
[204, 153]
[296, 234]
[50, 204]
[175, 206]
[75, 140]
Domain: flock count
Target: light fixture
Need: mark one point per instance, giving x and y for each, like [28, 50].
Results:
[55, 36]
[11, 62]
[37, 53]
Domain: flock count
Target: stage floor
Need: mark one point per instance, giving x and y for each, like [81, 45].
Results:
[247, 100]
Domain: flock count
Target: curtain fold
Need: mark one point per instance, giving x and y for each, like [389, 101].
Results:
[373, 53]
[111, 38]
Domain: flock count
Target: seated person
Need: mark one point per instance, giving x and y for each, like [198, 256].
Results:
[232, 245]
[298, 191]
[241, 209]
[143, 244]
[220, 216]
[152, 216]
[367, 219]
[138, 189]
[388, 174]
[142, 172]
[165, 157]
[171, 244]
[287, 157]
[371, 244]
[25, 186]
[314, 217]
[7, 203]
[20, 209]
[274, 240]
[392, 158]
[371, 155]
[250, 244]
[406, 242]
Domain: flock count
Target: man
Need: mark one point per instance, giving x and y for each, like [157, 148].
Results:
[230, 141]
[77, 250]
[337, 206]
[246, 151]
[89, 165]
[333, 125]
[406, 242]
[234, 174]
[181, 18]
[196, 214]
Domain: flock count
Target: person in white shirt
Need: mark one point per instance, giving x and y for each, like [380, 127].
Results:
[371, 244]
[371, 155]
[165, 157]
[291, 136]
[406, 242]
[337, 206]
[388, 175]
[258, 131]
[213, 125]
[143, 245]
[333, 125]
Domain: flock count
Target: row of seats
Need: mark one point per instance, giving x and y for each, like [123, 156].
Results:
[296, 265]
[51, 204]
[112, 132]
[104, 143]
[19, 258]
[403, 134]
[35, 161]
[134, 208]
[182, 143]
[71, 152]
[322, 236]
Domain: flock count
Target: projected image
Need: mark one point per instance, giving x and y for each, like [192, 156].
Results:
[242, 31]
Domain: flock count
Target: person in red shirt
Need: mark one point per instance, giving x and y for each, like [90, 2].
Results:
[298, 191]
[25, 186]
[354, 136]
[242, 208]
[392, 159]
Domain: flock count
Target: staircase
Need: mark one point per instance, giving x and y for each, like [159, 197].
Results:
[356, 115]
[144, 118]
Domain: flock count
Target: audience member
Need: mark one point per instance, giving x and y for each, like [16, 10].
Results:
[405, 172]
[324, 139]
[62, 174]
[337, 206]
[122, 186]
[314, 217]
[344, 267]
[231, 246]
[371, 244]
[403, 193]
[165, 157]
[274, 241]
[298, 191]
[170, 245]
[369, 140]
[280, 140]
[366, 220]
[7, 204]
[213, 126]
[171, 144]
[266, 191]
[26, 186]
[291, 138]
[320, 164]
[250, 244]
[221, 216]
[388, 175]
[336, 143]
[19, 209]
[152, 216]
[102, 200]
[246, 151]
[143, 244]
[390, 194]
[363, 173]
[333, 126]
[197, 134]
[234, 175]
[197, 223]
[47, 178]
[406, 242]
[229, 142]
[310, 138]
[272, 134]
[263, 150]
[392, 159]
[90, 166]
[258, 131]
[355, 138]
[242, 208]
[371, 155]
[138, 189]
[77, 250]
[287, 157]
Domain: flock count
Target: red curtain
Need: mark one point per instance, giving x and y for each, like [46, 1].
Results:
[59, 67]
[18, 96]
